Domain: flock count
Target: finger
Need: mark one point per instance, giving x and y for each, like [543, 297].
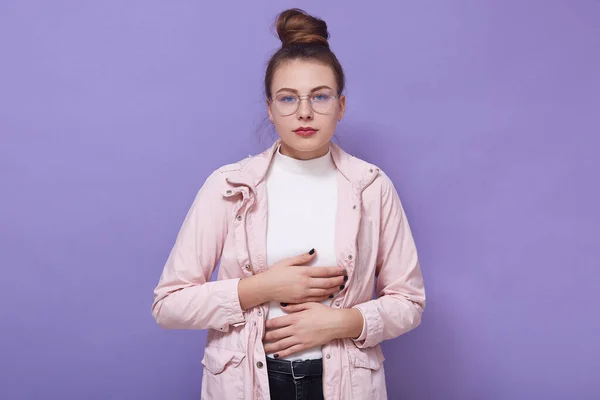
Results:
[297, 307]
[326, 272]
[279, 322]
[278, 334]
[291, 350]
[324, 293]
[309, 300]
[280, 345]
[326, 283]
[301, 259]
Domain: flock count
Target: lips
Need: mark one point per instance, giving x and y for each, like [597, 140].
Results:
[305, 131]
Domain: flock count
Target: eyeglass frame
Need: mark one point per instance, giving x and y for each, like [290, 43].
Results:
[300, 98]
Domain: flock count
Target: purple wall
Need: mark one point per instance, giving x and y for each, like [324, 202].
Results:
[485, 114]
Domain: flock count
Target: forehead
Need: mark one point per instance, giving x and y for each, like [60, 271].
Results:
[303, 76]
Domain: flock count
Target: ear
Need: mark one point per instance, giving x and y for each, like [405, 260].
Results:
[342, 107]
[270, 111]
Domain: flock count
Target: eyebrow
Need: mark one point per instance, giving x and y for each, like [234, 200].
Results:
[295, 91]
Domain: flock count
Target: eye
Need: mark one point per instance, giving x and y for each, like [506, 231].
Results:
[287, 99]
[321, 97]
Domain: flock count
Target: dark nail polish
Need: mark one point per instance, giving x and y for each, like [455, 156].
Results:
[283, 304]
[331, 296]
[311, 252]
[345, 278]
[342, 287]
[275, 355]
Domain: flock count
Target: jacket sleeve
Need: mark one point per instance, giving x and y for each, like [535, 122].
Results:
[400, 290]
[184, 297]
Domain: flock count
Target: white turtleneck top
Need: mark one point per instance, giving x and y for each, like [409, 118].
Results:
[302, 203]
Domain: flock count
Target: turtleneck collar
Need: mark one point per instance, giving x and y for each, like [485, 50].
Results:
[315, 166]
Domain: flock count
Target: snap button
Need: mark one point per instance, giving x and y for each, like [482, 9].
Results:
[337, 303]
[259, 364]
[229, 192]
[350, 257]
[328, 356]
[371, 170]
[354, 207]
[248, 267]
[239, 217]
[259, 312]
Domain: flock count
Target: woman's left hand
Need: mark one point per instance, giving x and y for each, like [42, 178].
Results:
[307, 325]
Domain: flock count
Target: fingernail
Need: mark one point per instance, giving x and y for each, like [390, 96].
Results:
[342, 287]
[345, 278]
[283, 304]
[311, 252]
[275, 355]
[331, 296]
[345, 272]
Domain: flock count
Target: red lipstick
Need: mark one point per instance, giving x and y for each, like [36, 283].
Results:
[305, 131]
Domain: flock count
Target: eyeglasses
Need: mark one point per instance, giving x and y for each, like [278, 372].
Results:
[320, 102]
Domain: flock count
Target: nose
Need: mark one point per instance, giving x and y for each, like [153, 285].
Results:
[304, 112]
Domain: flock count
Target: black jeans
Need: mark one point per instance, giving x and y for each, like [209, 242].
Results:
[300, 380]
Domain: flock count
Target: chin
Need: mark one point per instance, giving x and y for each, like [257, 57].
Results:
[307, 143]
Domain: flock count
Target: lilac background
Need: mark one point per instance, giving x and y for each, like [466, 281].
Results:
[486, 115]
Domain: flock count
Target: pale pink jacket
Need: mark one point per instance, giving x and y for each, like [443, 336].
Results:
[228, 222]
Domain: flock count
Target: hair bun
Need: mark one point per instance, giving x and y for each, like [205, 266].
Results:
[295, 26]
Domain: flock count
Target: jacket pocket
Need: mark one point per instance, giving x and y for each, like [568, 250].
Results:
[367, 373]
[224, 373]
[370, 357]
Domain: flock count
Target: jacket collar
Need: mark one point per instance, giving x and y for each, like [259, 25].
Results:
[253, 170]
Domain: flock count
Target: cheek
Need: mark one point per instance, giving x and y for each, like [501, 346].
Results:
[328, 122]
[283, 124]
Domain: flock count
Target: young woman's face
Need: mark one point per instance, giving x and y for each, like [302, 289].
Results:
[305, 96]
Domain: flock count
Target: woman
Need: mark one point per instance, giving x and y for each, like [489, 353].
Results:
[301, 232]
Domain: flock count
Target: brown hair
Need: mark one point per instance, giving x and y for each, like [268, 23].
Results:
[303, 37]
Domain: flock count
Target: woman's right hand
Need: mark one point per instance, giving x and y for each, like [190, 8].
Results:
[289, 281]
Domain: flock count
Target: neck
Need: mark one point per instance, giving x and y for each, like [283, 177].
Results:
[303, 155]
